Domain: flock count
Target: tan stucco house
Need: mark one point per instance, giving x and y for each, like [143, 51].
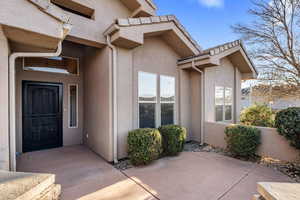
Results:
[88, 71]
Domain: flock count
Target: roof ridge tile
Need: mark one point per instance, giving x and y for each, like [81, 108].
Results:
[155, 20]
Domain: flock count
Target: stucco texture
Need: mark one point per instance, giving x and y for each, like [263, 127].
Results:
[155, 56]
[224, 76]
[90, 31]
[97, 113]
[4, 140]
[215, 136]
[71, 136]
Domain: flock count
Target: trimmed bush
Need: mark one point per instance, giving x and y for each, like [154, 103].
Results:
[144, 146]
[173, 137]
[242, 141]
[258, 115]
[287, 122]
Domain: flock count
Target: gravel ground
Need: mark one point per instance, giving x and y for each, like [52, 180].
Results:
[290, 169]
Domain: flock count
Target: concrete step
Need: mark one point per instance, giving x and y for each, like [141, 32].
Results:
[279, 191]
[52, 193]
[26, 186]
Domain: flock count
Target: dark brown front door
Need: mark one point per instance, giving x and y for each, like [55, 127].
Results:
[42, 115]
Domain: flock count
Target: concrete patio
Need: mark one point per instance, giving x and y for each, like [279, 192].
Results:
[208, 176]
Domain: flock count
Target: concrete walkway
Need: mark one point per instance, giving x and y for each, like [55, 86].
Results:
[202, 176]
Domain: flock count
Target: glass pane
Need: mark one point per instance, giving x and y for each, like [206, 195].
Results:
[147, 115]
[219, 95]
[228, 113]
[228, 96]
[147, 87]
[73, 106]
[167, 89]
[61, 65]
[219, 113]
[167, 113]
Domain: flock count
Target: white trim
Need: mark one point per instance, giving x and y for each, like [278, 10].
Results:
[164, 102]
[224, 105]
[12, 98]
[69, 106]
[73, 58]
[138, 97]
[158, 101]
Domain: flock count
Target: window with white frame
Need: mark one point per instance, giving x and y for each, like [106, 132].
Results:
[156, 105]
[167, 100]
[223, 103]
[73, 106]
[147, 99]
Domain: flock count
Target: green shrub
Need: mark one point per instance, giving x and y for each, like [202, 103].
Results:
[242, 141]
[173, 137]
[144, 146]
[258, 115]
[287, 122]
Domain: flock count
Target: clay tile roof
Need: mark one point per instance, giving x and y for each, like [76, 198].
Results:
[123, 22]
[217, 49]
[221, 48]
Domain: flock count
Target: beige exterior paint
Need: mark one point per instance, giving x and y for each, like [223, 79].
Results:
[97, 109]
[90, 31]
[4, 138]
[148, 43]
[155, 56]
[272, 144]
[195, 106]
[223, 76]
[34, 33]
[71, 136]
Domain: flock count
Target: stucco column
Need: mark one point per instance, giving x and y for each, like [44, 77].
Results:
[4, 141]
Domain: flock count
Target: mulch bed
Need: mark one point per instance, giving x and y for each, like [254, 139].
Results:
[288, 168]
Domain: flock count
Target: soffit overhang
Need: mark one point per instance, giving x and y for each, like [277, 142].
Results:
[140, 8]
[234, 51]
[131, 32]
[35, 23]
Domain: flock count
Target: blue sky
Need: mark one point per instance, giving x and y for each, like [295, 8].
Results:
[208, 21]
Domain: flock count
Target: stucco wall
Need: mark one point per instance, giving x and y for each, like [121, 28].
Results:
[185, 107]
[195, 111]
[273, 145]
[12, 8]
[155, 56]
[25, 23]
[238, 91]
[98, 101]
[106, 11]
[4, 140]
[71, 136]
[222, 75]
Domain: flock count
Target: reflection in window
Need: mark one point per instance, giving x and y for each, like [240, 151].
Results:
[228, 104]
[219, 103]
[73, 105]
[147, 99]
[167, 99]
[223, 103]
[62, 65]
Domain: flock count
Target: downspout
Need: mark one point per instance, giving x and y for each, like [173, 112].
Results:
[114, 96]
[12, 98]
[202, 100]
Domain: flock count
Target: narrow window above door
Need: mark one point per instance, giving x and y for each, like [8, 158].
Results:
[61, 65]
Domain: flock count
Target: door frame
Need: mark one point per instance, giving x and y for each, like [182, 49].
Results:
[60, 101]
